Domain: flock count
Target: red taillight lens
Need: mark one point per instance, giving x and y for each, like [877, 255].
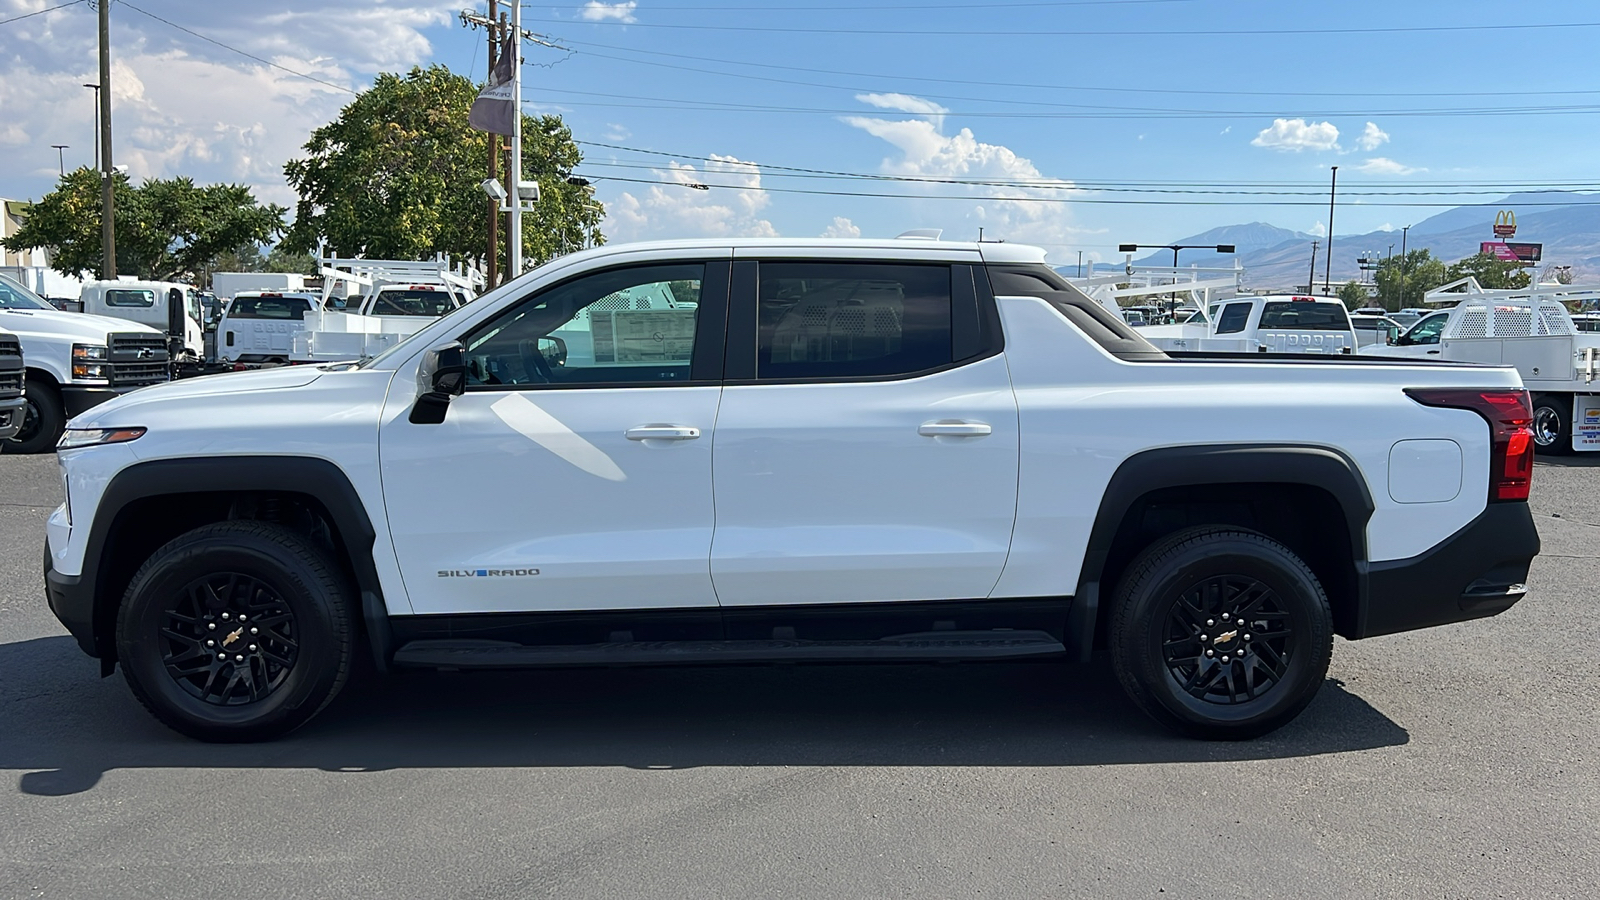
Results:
[1510, 418]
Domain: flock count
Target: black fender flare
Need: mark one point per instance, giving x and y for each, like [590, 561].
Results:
[1173, 467]
[317, 478]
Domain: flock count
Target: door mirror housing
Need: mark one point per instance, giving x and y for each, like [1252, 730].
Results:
[554, 351]
[441, 377]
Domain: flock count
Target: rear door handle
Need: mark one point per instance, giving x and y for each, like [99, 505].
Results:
[950, 428]
[662, 433]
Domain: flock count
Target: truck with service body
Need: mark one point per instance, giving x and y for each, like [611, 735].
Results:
[792, 451]
[1264, 324]
[370, 305]
[227, 285]
[13, 405]
[1529, 328]
[73, 361]
[259, 327]
[167, 306]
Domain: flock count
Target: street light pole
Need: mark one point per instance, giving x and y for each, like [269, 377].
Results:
[96, 88]
[108, 203]
[1404, 264]
[61, 157]
[1327, 267]
[514, 176]
[1311, 279]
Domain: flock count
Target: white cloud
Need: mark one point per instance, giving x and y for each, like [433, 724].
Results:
[1226, 130]
[1371, 137]
[1386, 227]
[925, 151]
[841, 227]
[730, 207]
[907, 104]
[1297, 134]
[1379, 165]
[1318, 229]
[595, 11]
[615, 132]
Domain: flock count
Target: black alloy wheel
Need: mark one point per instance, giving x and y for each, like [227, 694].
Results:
[1220, 633]
[236, 631]
[229, 639]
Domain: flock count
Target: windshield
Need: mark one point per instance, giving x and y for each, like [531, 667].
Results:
[269, 308]
[1301, 314]
[15, 296]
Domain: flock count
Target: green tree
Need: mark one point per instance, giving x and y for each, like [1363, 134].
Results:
[1493, 274]
[397, 176]
[1402, 280]
[1354, 295]
[167, 229]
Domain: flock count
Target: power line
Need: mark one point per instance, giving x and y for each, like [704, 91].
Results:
[265, 62]
[1233, 33]
[965, 6]
[38, 12]
[1497, 92]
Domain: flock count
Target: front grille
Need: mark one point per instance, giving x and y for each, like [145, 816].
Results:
[9, 347]
[10, 384]
[10, 367]
[137, 359]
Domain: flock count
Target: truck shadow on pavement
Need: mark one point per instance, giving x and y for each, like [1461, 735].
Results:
[65, 728]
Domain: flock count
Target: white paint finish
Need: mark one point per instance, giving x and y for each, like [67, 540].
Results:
[548, 479]
[827, 493]
[1425, 471]
[1083, 412]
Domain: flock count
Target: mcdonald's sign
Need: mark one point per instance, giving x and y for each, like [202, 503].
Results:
[1505, 223]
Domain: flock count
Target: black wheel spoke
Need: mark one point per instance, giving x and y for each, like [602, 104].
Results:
[1242, 620]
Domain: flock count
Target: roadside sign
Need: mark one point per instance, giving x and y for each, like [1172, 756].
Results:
[1505, 223]
[1513, 251]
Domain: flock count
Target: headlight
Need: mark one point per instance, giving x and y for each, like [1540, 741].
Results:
[76, 438]
[82, 352]
[89, 362]
[87, 371]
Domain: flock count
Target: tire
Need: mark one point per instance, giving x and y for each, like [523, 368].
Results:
[1552, 421]
[207, 585]
[43, 421]
[1175, 593]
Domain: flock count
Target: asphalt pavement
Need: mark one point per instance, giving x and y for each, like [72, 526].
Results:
[1459, 762]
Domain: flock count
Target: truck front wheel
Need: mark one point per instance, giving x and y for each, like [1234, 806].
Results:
[1220, 633]
[43, 419]
[1552, 424]
[236, 631]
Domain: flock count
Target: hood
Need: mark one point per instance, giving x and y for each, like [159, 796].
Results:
[51, 323]
[281, 378]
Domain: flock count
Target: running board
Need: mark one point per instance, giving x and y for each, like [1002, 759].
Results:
[926, 645]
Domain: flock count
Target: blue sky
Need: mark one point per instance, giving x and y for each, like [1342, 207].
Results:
[1097, 103]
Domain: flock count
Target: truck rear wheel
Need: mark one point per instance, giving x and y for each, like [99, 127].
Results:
[43, 420]
[1552, 424]
[236, 631]
[1220, 633]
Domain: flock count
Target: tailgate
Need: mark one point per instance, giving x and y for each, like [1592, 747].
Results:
[1305, 341]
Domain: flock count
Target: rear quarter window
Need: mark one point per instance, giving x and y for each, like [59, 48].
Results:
[269, 308]
[1291, 314]
[130, 298]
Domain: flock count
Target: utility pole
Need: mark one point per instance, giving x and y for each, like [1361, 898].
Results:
[1404, 263]
[96, 125]
[1311, 280]
[1080, 263]
[108, 203]
[1327, 268]
[494, 159]
[61, 157]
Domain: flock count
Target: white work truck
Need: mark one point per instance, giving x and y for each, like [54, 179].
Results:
[167, 306]
[747, 451]
[13, 405]
[1529, 328]
[258, 327]
[1289, 323]
[73, 361]
[370, 305]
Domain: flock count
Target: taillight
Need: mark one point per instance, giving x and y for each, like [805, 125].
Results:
[1510, 417]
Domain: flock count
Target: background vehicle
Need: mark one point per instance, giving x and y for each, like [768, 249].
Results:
[1528, 328]
[1270, 324]
[1375, 329]
[13, 406]
[74, 361]
[258, 327]
[228, 285]
[369, 305]
[787, 450]
[164, 305]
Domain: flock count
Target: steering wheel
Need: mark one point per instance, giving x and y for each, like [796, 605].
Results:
[534, 363]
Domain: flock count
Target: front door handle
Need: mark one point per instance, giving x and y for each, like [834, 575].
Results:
[1433, 353]
[662, 433]
[953, 428]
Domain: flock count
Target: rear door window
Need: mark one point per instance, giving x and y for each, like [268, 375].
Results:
[827, 320]
[270, 308]
[1287, 315]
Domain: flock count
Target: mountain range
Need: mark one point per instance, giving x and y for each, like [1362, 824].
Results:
[1567, 223]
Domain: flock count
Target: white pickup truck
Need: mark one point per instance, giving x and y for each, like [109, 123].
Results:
[259, 327]
[1267, 324]
[13, 405]
[796, 451]
[1531, 329]
[74, 360]
[384, 318]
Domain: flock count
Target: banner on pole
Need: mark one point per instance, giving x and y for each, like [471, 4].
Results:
[495, 110]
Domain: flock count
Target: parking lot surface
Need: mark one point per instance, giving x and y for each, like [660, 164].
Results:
[1455, 762]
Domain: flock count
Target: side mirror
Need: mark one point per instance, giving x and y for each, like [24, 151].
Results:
[554, 351]
[441, 377]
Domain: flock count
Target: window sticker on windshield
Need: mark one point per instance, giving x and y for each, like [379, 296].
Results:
[642, 336]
